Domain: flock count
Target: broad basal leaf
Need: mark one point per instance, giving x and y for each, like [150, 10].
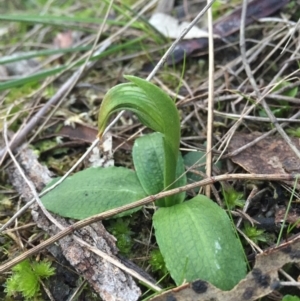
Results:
[155, 109]
[148, 158]
[94, 190]
[197, 241]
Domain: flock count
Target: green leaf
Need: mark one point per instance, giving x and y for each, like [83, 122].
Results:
[196, 161]
[148, 158]
[181, 180]
[290, 298]
[197, 241]
[155, 109]
[94, 190]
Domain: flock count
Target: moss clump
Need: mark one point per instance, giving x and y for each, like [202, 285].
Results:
[25, 278]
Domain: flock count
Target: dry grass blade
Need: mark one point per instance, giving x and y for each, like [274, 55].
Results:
[220, 99]
[259, 96]
[210, 109]
[147, 200]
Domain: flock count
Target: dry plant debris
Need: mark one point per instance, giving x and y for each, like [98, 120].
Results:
[109, 281]
[228, 25]
[272, 52]
[270, 155]
[261, 281]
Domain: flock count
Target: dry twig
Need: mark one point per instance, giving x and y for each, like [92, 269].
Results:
[144, 201]
[210, 109]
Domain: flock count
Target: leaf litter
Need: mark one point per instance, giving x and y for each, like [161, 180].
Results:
[271, 155]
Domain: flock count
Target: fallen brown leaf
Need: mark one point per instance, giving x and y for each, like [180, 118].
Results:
[261, 281]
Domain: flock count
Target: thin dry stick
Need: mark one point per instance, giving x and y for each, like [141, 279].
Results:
[119, 265]
[27, 181]
[77, 291]
[60, 94]
[74, 81]
[289, 277]
[256, 118]
[254, 85]
[142, 202]
[47, 291]
[61, 227]
[95, 142]
[21, 135]
[17, 228]
[27, 205]
[82, 69]
[58, 97]
[289, 283]
[181, 36]
[284, 98]
[55, 99]
[237, 151]
[230, 133]
[16, 215]
[166, 55]
[210, 109]
[247, 203]
[253, 245]
[264, 43]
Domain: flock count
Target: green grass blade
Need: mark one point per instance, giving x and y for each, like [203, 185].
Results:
[62, 21]
[29, 78]
[32, 54]
[43, 74]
